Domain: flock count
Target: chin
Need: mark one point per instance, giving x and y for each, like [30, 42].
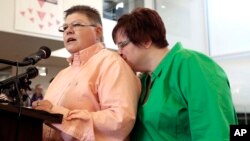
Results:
[131, 65]
[71, 49]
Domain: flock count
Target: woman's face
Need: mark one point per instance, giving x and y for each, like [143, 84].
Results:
[78, 33]
[131, 53]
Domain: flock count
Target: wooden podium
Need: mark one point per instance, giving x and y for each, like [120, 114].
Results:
[24, 124]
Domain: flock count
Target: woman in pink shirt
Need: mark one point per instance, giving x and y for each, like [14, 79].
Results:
[97, 93]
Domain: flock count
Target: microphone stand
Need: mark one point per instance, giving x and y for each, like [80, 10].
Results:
[16, 97]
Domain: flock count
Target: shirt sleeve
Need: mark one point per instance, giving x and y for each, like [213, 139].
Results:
[207, 91]
[118, 92]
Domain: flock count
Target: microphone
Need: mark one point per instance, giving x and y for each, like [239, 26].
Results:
[43, 53]
[30, 73]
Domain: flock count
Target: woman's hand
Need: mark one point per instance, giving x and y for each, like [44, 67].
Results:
[44, 105]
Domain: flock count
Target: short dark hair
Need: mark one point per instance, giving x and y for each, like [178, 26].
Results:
[142, 25]
[92, 14]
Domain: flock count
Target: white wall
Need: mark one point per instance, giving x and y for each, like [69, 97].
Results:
[8, 15]
[185, 22]
[7, 23]
[229, 29]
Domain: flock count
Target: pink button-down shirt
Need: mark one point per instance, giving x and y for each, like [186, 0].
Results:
[103, 88]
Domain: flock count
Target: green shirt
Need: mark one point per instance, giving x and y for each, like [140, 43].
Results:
[189, 100]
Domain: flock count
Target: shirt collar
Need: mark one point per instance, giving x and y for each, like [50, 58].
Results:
[163, 63]
[81, 57]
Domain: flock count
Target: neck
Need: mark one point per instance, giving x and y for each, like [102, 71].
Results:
[155, 57]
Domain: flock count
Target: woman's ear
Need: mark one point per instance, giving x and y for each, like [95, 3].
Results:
[147, 44]
[99, 32]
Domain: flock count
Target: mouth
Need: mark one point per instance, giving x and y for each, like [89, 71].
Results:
[124, 58]
[71, 40]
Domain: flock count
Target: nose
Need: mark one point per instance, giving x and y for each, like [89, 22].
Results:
[69, 30]
[119, 51]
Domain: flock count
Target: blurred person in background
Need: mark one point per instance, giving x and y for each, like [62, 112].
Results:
[38, 93]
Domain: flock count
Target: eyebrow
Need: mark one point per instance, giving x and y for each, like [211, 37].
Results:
[80, 21]
[122, 42]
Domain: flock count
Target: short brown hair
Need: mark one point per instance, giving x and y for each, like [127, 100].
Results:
[142, 25]
[92, 14]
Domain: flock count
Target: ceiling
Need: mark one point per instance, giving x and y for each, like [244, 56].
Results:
[15, 47]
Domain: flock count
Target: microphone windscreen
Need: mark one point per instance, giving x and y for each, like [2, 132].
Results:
[32, 72]
[46, 52]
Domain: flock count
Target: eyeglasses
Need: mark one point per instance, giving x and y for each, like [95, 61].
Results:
[74, 26]
[123, 44]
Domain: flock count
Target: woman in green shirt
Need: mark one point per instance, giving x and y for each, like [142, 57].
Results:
[185, 94]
